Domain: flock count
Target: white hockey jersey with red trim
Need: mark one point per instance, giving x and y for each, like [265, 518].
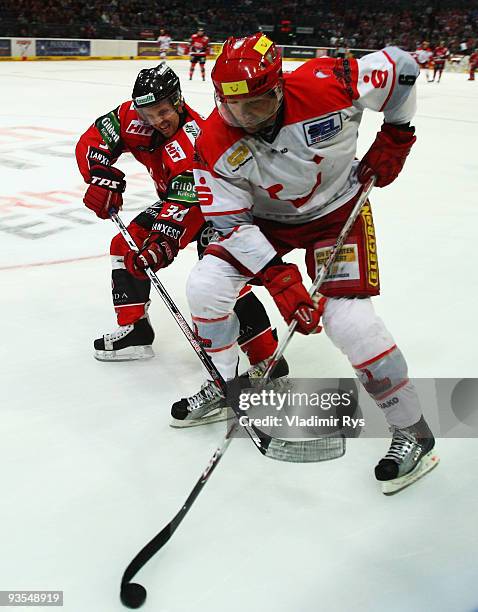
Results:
[164, 42]
[309, 169]
[423, 54]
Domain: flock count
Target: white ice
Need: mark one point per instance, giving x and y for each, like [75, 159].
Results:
[90, 469]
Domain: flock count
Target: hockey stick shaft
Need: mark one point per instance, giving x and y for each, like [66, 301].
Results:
[173, 309]
[154, 545]
[260, 439]
[324, 270]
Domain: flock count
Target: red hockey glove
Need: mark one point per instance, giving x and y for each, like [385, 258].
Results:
[386, 156]
[158, 252]
[104, 192]
[284, 283]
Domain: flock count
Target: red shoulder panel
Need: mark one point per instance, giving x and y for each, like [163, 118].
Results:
[215, 138]
[318, 87]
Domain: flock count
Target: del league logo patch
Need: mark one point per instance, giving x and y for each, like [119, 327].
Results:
[322, 129]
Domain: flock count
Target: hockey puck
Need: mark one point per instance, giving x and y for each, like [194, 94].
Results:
[133, 595]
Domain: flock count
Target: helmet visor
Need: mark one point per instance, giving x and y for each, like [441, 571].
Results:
[163, 117]
[250, 114]
[152, 115]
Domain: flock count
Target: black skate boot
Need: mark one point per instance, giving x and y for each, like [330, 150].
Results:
[127, 343]
[209, 405]
[409, 457]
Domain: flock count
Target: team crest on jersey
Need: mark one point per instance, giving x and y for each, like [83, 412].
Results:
[174, 150]
[322, 129]
[139, 128]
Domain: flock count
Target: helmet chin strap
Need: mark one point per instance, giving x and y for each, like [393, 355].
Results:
[270, 121]
[182, 114]
[271, 126]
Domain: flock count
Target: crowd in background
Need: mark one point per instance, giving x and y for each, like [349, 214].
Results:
[365, 24]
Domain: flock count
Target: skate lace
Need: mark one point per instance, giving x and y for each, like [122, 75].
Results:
[402, 444]
[121, 332]
[207, 393]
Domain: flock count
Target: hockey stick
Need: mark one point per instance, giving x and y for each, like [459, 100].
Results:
[296, 451]
[319, 279]
[132, 594]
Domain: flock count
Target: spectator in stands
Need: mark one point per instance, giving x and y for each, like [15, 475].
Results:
[366, 21]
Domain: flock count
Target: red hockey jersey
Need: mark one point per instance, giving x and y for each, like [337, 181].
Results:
[199, 45]
[169, 162]
[440, 55]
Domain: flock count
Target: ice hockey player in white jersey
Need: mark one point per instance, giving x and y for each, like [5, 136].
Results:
[276, 172]
[164, 43]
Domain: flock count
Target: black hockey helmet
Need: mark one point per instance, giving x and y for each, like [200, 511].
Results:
[155, 84]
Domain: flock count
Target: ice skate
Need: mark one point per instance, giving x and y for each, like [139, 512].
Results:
[409, 457]
[127, 343]
[208, 405]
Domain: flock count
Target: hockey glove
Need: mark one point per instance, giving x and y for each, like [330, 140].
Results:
[104, 192]
[284, 283]
[388, 153]
[157, 252]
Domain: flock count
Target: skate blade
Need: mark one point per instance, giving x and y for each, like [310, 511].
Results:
[132, 353]
[427, 463]
[223, 415]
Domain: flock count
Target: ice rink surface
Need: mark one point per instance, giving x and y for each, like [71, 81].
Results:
[90, 469]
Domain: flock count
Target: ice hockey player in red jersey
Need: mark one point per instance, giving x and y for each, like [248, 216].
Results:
[473, 65]
[277, 172]
[198, 50]
[159, 129]
[439, 57]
